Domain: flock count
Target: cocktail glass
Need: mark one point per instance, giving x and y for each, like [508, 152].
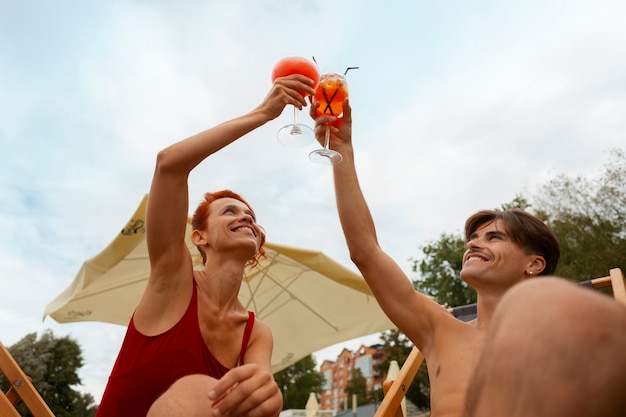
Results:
[330, 93]
[295, 134]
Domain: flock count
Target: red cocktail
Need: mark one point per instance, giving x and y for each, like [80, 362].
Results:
[296, 135]
[296, 65]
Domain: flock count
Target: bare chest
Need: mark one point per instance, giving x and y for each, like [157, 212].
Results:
[451, 364]
[223, 334]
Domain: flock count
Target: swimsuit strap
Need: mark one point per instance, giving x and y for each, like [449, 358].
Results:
[246, 336]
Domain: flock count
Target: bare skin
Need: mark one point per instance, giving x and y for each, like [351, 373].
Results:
[555, 349]
[230, 240]
[493, 263]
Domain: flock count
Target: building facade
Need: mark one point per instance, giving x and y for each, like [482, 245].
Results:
[339, 372]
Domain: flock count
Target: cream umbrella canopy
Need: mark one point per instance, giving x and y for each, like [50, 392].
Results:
[309, 300]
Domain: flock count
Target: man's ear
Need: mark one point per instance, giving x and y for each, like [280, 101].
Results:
[537, 265]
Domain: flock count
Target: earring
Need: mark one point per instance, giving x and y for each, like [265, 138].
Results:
[530, 273]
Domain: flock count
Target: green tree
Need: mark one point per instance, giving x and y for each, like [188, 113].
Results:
[357, 384]
[519, 202]
[52, 364]
[397, 348]
[588, 217]
[439, 270]
[297, 381]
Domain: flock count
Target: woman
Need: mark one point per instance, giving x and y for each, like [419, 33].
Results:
[191, 347]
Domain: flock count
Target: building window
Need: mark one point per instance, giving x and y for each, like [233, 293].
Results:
[364, 363]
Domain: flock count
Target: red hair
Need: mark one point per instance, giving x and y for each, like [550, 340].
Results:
[199, 220]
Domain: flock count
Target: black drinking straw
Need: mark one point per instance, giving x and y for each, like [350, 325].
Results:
[328, 101]
[346, 71]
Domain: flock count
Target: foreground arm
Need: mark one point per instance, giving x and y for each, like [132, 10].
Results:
[411, 311]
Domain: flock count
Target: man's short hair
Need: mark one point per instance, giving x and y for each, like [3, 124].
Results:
[529, 232]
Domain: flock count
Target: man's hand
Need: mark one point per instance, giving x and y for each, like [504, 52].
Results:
[340, 128]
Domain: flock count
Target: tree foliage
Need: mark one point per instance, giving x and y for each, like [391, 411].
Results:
[52, 364]
[297, 381]
[588, 217]
[397, 348]
[440, 268]
[357, 385]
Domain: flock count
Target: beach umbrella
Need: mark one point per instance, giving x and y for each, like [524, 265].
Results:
[309, 300]
[312, 406]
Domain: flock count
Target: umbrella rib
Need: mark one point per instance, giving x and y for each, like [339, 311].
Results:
[92, 293]
[293, 297]
[265, 274]
[254, 291]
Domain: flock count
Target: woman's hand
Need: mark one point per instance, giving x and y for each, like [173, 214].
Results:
[286, 90]
[248, 391]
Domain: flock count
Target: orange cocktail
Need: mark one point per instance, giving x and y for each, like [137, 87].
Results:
[331, 93]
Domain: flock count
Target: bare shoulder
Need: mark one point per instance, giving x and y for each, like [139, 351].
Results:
[421, 318]
[261, 331]
[260, 346]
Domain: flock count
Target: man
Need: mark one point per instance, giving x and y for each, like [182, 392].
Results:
[503, 249]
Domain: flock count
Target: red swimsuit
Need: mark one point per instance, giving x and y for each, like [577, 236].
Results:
[147, 365]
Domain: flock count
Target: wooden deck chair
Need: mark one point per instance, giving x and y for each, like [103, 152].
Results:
[21, 390]
[394, 391]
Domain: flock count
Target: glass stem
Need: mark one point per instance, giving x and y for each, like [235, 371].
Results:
[327, 137]
[295, 115]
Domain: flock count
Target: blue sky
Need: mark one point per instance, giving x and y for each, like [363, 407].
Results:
[458, 106]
